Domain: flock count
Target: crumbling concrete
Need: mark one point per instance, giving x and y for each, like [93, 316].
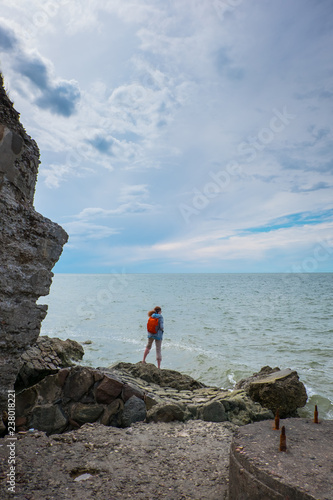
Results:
[258, 470]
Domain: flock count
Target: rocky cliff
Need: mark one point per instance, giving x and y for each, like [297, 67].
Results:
[30, 245]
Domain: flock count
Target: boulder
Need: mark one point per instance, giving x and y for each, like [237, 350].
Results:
[62, 376]
[164, 378]
[48, 418]
[83, 413]
[112, 413]
[276, 389]
[242, 410]
[47, 356]
[21, 424]
[134, 411]
[165, 412]
[214, 412]
[108, 389]
[78, 383]
[113, 398]
[3, 428]
[25, 401]
[129, 390]
[48, 390]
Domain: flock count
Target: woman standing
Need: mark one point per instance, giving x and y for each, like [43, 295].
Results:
[155, 329]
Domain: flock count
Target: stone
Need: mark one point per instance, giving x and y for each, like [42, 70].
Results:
[37, 362]
[83, 413]
[78, 382]
[30, 245]
[19, 421]
[165, 412]
[25, 401]
[150, 401]
[48, 390]
[62, 376]
[3, 428]
[98, 375]
[242, 410]
[214, 412]
[162, 377]
[110, 411]
[108, 389]
[276, 389]
[129, 390]
[48, 418]
[134, 411]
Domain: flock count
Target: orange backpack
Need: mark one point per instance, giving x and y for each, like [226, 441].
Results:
[152, 325]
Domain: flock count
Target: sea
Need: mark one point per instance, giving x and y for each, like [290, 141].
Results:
[219, 328]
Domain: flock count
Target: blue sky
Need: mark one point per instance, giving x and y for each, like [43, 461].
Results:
[179, 136]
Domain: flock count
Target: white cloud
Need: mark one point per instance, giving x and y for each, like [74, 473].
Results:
[308, 243]
[83, 230]
[133, 207]
[168, 93]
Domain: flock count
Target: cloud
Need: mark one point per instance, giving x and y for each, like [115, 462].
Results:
[225, 65]
[7, 39]
[54, 174]
[130, 192]
[134, 207]
[169, 91]
[314, 187]
[58, 96]
[215, 250]
[83, 230]
[102, 144]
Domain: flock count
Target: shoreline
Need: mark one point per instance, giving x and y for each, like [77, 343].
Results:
[174, 460]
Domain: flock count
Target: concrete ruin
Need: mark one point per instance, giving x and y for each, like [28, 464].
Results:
[30, 245]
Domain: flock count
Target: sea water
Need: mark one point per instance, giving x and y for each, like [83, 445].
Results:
[219, 328]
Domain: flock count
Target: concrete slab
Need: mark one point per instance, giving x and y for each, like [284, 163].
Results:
[272, 377]
[259, 471]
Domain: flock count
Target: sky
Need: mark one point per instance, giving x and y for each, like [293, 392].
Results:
[179, 135]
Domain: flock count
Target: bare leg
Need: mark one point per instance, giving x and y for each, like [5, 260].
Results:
[147, 350]
[145, 354]
[158, 344]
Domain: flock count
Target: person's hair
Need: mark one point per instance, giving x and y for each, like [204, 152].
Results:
[157, 309]
[151, 312]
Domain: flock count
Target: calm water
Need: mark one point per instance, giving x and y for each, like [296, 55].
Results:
[219, 328]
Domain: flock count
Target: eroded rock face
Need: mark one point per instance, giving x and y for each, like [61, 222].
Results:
[46, 357]
[30, 245]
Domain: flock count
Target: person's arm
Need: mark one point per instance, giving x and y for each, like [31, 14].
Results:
[161, 325]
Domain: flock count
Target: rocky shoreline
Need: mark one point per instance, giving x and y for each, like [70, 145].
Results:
[54, 395]
[129, 430]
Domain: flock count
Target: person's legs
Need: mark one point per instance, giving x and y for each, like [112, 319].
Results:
[158, 344]
[147, 350]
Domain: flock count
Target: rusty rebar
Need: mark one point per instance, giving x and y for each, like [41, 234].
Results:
[283, 441]
[277, 420]
[315, 419]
